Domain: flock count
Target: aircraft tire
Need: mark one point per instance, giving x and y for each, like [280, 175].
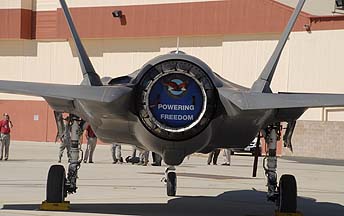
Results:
[56, 184]
[287, 194]
[171, 184]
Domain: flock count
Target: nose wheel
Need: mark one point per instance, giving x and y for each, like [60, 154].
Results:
[170, 180]
[171, 184]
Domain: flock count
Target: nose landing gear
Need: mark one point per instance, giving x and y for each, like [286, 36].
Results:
[170, 180]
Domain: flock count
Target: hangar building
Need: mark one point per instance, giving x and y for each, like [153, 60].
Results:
[235, 37]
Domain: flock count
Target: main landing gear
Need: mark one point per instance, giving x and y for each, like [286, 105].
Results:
[285, 194]
[58, 184]
[170, 180]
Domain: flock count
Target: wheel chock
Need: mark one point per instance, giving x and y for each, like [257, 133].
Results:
[288, 214]
[64, 206]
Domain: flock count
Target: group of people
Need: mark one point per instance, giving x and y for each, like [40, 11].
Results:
[116, 150]
[66, 140]
[141, 159]
[214, 155]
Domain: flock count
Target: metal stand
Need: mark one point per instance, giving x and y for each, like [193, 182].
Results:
[256, 157]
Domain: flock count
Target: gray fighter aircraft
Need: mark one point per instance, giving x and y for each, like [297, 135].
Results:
[176, 105]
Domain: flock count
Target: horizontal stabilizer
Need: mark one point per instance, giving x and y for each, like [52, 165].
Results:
[62, 96]
[264, 101]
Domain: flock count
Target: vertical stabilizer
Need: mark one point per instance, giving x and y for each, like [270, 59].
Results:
[262, 84]
[87, 68]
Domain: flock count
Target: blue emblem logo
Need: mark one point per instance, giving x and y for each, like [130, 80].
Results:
[176, 100]
[176, 87]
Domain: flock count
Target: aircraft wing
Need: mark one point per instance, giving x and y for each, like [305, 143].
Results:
[264, 101]
[60, 96]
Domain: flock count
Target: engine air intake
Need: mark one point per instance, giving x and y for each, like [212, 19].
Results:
[176, 100]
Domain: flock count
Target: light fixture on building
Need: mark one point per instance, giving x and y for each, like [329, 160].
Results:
[307, 27]
[117, 14]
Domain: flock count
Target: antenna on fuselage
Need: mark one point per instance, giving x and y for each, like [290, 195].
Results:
[177, 51]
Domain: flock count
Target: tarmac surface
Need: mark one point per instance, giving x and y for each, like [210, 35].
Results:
[111, 189]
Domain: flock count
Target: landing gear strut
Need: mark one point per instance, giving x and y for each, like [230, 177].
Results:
[170, 180]
[58, 185]
[285, 194]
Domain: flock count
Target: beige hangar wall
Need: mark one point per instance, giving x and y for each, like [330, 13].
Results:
[48, 5]
[311, 62]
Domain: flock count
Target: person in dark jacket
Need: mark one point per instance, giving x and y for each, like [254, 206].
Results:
[213, 156]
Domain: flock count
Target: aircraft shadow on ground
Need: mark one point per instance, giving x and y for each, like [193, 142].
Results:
[243, 202]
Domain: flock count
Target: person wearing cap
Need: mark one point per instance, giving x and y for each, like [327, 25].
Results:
[65, 139]
[5, 128]
[91, 144]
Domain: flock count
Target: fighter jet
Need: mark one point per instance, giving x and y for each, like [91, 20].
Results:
[176, 105]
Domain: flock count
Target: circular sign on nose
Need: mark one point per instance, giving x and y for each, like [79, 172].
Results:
[176, 101]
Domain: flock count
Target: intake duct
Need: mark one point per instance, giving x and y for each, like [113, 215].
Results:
[176, 99]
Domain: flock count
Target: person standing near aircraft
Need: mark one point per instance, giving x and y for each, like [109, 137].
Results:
[133, 153]
[213, 156]
[5, 126]
[227, 156]
[91, 144]
[144, 155]
[116, 152]
[156, 159]
[65, 139]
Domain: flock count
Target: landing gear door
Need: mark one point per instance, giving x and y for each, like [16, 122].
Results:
[59, 125]
[288, 135]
